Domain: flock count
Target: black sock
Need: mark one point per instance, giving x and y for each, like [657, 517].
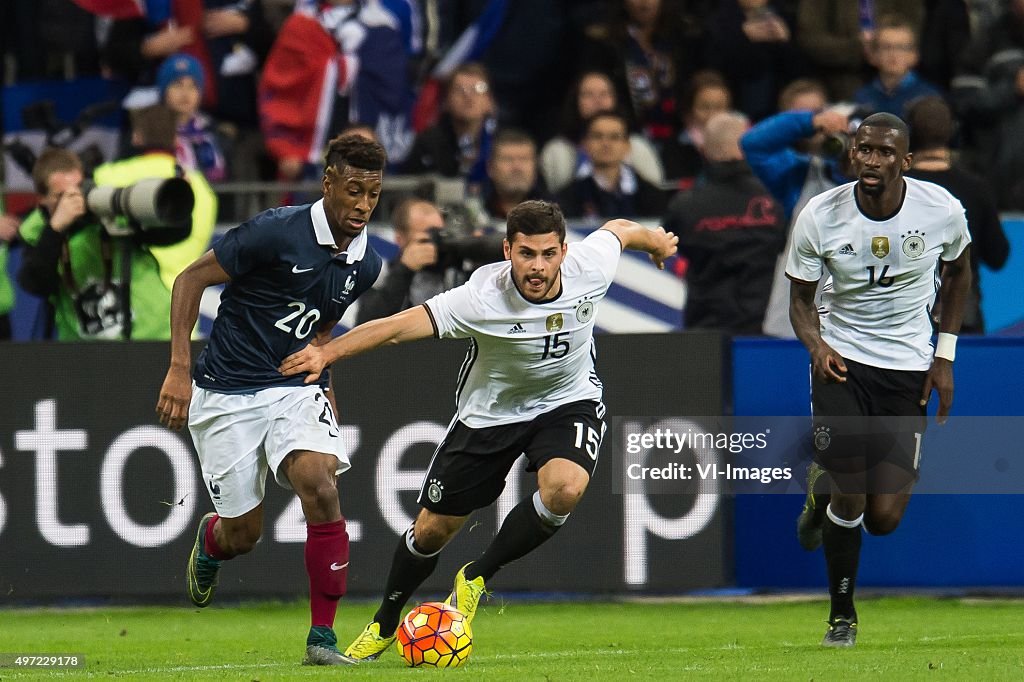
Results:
[522, 531]
[842, 554]
[408, 571]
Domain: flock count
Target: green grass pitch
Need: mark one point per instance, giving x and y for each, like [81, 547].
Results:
[900, 638]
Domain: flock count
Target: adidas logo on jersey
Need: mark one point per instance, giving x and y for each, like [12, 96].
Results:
[517, 328]
[847, 250]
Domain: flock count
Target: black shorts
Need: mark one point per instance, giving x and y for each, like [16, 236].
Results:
[875, 417]
[469, 468]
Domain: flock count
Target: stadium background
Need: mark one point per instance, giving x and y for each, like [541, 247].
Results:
[110, 514]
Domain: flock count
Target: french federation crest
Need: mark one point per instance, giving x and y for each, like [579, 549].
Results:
[585, 311]
[879, 247]
[913, 244]
[554, 322]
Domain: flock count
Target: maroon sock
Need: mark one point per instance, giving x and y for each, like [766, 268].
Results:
[327, 566]
[210, 546]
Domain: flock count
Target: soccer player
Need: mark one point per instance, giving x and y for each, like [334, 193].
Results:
[528, 385]
[291, 272]
[881, 239]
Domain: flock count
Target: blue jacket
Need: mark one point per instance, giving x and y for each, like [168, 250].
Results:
[875, 97]
[769, 150]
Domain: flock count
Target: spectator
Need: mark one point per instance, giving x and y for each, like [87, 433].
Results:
[8, 233]
[562, 155]
[649, 48]
[785, 153]
[731, 233]
[228, 37]
[511, 173]
[836, 34]
[197, 147]
[459, 143]
[987, 95]
[682, 155]
[894, 53]
[605, 186]
[946, 32]
[72, 260]
[931, 129]
[153, 139]
[752, 47]
[334, 64]
[426, 263]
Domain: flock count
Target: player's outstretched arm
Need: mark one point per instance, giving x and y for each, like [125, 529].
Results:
[657, 242]
[803, 315]
[408, 325]
[176, 392]
[956, 282]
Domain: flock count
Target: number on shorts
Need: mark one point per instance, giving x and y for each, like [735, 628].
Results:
[305, 324]
[593, 438]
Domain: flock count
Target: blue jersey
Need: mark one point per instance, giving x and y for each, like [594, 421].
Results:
[285, 283]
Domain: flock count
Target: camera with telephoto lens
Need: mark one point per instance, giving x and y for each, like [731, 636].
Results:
[455, 248]
[148, 205]
[837, 145]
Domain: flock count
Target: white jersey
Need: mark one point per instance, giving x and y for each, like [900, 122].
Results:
[527, 358]
[884, 272]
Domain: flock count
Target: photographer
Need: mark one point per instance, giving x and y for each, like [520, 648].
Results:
[101, 274]
[430, 260]
[798, 154]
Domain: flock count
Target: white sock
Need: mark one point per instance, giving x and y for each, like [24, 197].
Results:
[843, 522]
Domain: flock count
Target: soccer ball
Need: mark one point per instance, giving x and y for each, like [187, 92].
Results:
[435, 635]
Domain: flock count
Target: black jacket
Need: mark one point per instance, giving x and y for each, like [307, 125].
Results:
[731, 231]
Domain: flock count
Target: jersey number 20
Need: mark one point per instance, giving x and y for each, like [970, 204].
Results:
[305, 323]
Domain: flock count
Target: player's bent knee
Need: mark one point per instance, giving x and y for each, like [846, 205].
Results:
[881, 524]
[433, 531]
[562, 496]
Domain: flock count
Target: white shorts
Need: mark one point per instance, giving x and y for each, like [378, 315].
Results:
[239, 437]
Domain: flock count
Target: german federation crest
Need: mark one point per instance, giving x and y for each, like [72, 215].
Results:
[913, 243]
[585, 311]
[879, 247]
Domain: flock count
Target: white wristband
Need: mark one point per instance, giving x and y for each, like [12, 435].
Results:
[945, 347]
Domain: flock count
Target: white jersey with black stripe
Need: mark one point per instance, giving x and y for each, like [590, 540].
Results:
[526, 358]
[884, 272]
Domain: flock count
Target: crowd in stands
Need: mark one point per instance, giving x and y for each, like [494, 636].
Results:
[604, 105]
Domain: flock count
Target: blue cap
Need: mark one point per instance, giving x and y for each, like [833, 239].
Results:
[178, 66]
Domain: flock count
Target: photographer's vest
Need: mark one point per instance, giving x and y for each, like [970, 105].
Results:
[88, 302]
[175, 258]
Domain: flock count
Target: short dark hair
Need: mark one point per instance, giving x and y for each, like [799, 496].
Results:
[931, 123]
[535, 217]
[53, 160]
[707, 79]
[400, 214]
[884, 119]
[156, 127]
[801, 86]
[511, 136]
[352, 149]
[895, 21]
[468, 69]
[607, 113]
